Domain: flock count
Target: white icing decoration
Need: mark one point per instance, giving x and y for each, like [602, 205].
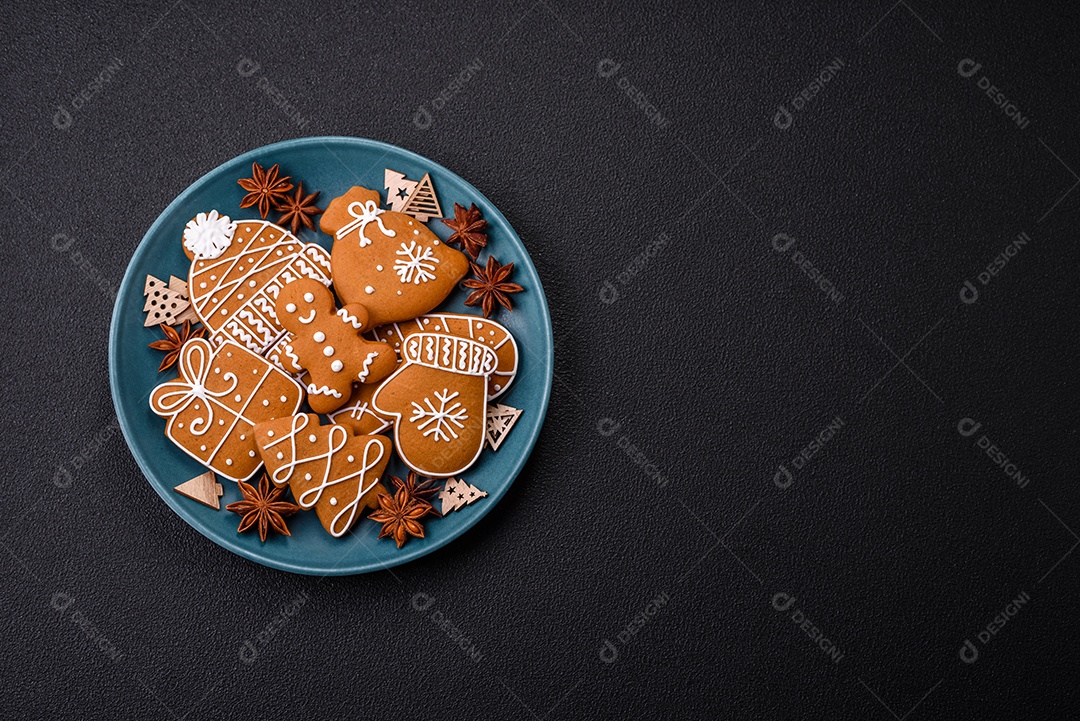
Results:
[418, 266]
[319, 336]
[309, 298]
[322, 391]
[336, 366]
[328, 351]
[367, 365]
[350, 319]
[364, 213]
[290, 307]
[208, 235]
[369, 290]
[440, 422]
[309, 319]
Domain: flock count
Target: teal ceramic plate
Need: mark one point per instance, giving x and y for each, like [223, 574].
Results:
[330, 165]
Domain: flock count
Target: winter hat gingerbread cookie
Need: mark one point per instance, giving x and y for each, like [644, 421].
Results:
[238, 269]
[219, 396]
[327, 467]
[388, 261]
[328, 345]
[438, 398]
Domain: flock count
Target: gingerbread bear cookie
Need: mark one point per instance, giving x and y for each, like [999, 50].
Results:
[328, 344]
[327, 467]
[238, 269]
[388, 261]
[218, 398]
[438, 399]
[462, 325]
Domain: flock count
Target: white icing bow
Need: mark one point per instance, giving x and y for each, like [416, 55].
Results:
[364, 213]
[174, 397]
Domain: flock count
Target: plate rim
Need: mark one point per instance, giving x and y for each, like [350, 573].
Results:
[262, 558]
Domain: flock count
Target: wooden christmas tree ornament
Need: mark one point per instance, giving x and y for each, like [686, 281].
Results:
[164, 303]
[457, 494]
[500, 419]
[204, 488]
[179, 285]
[422, 203]
[398, 189]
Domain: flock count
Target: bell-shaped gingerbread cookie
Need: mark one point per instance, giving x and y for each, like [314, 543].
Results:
[438, 399]
[327, 467]
[328, 345]
[388, 261]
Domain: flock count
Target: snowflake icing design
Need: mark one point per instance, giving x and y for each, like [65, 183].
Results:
[419, 264]
[440, 422]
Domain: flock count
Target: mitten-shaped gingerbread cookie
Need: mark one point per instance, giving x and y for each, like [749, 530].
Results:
[328, 344]
[480, 329]
[389, 261]
[438, 398]
[326, 467]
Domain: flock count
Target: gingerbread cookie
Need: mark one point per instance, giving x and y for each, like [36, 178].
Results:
[236, 277]
[219, 396]
[438, 398]
[462, 325]
[357, 414]
[328, 345]
[388, 261]
[327, 467]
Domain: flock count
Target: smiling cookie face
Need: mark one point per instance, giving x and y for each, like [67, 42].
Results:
[327, 343]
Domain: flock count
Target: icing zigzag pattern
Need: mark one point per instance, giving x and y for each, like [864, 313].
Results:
[350, 319]
[240, 333]
[293, 358]
[256, 325]
[367, 365]
[322, 391]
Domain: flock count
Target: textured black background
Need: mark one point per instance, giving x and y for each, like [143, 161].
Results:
[674, 405]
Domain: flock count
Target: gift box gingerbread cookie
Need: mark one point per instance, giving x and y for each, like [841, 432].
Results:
[214, 404]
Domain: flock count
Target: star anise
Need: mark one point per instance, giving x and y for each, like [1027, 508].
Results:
[491, 286]
[174, 341]
[265, 188]
[261, 507]
[400, 515]
[468, 229]
[418, 492]
[299, 209]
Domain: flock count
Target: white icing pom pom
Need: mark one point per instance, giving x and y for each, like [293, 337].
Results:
[208, 235]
